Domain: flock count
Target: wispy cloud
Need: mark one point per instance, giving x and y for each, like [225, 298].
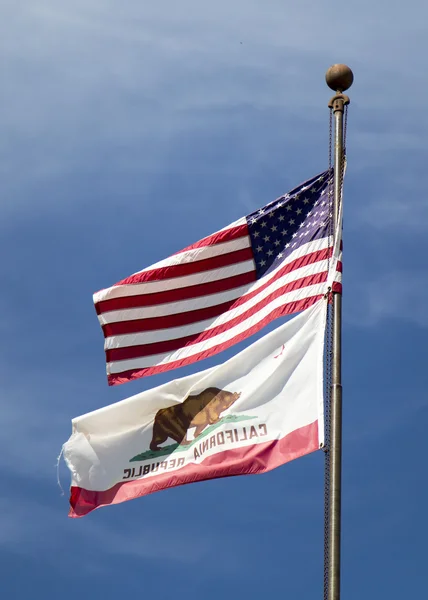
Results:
[88, 83]
[117, 114]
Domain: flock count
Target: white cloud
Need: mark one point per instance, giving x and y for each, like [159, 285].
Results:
[89, 78]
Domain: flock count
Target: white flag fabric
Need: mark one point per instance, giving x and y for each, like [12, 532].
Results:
[258, 410]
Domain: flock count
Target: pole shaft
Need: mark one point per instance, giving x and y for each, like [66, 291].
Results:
[335, 501]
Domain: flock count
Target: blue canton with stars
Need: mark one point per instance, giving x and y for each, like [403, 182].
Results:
[299, 217]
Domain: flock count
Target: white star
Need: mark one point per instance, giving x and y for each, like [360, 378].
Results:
[302, 234]
[298, 211]
[277, 242]
[293, 245]
[305, 200]
[272, 213]
[297, 196]
[279, 255]
[309, 213]
[270, 252]
[305, 187]
[281, 218]
[291, 222]
[266, 238]
[280, 203]
[261, 211]
[295, 234]
[256, 234]
[288, 206]
[302, 224]
[262, 263]
[253, 220]
[264, 224]
[284, 232]
[287, 245]
[313, 190]
[259, 248]
[273, 228]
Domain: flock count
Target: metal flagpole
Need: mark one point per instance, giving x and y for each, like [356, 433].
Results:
[339, 78]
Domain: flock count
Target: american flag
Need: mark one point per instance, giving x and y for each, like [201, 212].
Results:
[222, 289]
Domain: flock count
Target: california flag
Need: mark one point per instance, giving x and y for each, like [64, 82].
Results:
[260, 409]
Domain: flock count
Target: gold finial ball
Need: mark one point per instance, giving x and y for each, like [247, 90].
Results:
[339, 78]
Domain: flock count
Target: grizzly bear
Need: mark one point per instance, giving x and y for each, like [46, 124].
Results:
[197, 411]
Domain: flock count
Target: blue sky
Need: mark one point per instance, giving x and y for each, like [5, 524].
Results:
[130, 130]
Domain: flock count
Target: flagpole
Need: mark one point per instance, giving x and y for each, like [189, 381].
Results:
[339, 78]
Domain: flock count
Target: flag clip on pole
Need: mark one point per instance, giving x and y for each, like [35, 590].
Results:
[339, 78]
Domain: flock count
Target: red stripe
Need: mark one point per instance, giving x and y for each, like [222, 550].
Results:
[185, 293]
[220, 237]
[248, 460]
[190, 268]
[201, 314]
[175, 320]
[196, 266]
[287, 309]
[137, 351]
[205, 289]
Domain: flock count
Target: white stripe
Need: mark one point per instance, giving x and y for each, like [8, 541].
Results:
[161, 359]
[152, 287]
[237, 223]
[122, 291]
[186, 256]
[171, 308]
[202, 253]
[160, 335]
